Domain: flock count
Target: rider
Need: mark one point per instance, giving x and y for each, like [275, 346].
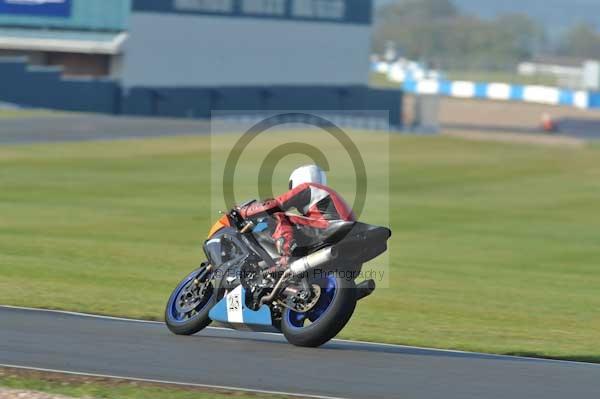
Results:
[317, 204]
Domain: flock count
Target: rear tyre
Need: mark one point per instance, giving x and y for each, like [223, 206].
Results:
[329, 316]
[187, 310]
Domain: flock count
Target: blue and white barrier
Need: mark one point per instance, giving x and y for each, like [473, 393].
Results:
[423, 82]
[500, 91]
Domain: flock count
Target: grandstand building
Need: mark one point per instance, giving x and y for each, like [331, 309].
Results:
[84, 38]
[188, 57]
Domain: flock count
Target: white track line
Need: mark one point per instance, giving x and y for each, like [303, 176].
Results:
[182, 384]
[366, 343]
[95, 316]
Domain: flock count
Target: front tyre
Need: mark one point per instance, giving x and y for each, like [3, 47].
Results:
[326, 319]
[187, 310]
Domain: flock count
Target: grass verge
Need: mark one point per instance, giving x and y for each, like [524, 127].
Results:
[380, 79]
[101, 388]
[495, 246]
[6, 113]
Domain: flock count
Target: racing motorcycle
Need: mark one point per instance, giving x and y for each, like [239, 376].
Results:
[240, 287]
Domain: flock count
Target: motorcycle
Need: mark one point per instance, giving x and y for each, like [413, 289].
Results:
[238, 285]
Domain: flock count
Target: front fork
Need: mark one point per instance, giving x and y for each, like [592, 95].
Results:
[201, 277]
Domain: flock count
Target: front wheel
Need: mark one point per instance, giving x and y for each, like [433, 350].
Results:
[326, 319]
[187, 309]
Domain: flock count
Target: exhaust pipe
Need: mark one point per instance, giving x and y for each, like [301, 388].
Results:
[365, 289]
[314, 260]
[302, 265]
[271, 297]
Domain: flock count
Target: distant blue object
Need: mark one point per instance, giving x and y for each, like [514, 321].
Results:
[88, 15]
[566, 97]
[504, 92]
[480, 90]
[46, 8]
[445, 88]
[594, 100]
[516, 93]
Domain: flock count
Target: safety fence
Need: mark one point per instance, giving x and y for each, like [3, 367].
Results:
[427, 85]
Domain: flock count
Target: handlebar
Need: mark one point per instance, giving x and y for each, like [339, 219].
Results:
[240, 223]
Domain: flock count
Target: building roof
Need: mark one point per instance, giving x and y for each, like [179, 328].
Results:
[86, 42]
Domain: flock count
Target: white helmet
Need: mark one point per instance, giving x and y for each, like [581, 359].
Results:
[307, 174]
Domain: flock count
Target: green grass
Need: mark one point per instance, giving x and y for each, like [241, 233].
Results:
[496, 247]
[27, 113]
[381, 80]
[110, 389]
[502, 77]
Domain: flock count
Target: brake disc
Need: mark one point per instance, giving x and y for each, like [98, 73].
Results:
[302, 305]
[189, 299]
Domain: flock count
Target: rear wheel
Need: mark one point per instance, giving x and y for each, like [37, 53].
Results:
[187, 309]
[326, 319]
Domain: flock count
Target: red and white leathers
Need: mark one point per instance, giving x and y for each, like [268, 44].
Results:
[317, 205]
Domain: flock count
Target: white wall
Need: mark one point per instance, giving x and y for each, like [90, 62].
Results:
[196, 50]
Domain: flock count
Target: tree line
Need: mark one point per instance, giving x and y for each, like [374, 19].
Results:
[436, 32]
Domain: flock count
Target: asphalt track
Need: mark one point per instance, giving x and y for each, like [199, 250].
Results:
[87, 127]
[265, 362]
[91, 127]
[584, 129]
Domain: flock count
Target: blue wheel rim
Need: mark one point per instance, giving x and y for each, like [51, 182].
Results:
[298, 319]
[173, 314]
